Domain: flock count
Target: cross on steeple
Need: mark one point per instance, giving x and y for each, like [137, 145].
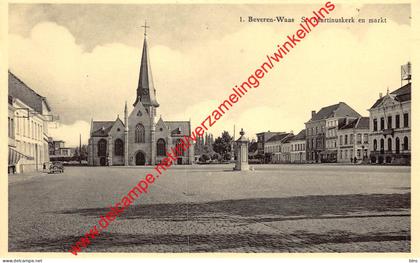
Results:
[145, 27]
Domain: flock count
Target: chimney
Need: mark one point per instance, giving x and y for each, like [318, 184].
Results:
[380, 94]
[313, 113]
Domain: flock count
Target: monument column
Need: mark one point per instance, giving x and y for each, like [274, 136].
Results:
[242, 153]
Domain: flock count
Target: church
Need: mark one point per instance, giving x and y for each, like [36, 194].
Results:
[138, 139]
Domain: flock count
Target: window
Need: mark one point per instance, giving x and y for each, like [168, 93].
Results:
[405, 146]
[161, 147]
[365, 138]
[382, 123]
[351, 138]
[139, 134]
[375, 124]
[382, 145]
[359, 138]
[345, 139]
[341, 139]
[375, 145]
[390, 144]
[397, 121]
[397, 145]
[405, 120]
[389, 124]
[119, 147]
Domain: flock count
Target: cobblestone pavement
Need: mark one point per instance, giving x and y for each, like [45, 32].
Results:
[276, 208]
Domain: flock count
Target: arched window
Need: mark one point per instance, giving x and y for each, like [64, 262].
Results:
[390, 144]
[397, 145]
[161, 147]
[375, 144]
[102, 147]
[119, 147]
[382, 145]
[139, 134]
[405, 143]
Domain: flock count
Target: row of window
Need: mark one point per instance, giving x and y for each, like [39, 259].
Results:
[390, 123]
[350, 139]
[29, 149]
[315, 143]
[315, 130]
[391, 146]
[119, 147]
[348, 154]
[28, 128]
[298, 147]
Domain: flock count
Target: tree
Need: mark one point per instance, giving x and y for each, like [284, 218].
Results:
[204, 158]
[215, 156]
[222, 144]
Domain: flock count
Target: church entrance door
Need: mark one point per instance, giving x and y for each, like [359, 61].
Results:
[140, 159]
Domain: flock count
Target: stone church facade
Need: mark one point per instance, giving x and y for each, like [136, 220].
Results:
[138, 139]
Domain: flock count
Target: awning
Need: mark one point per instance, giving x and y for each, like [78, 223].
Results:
[15, 156]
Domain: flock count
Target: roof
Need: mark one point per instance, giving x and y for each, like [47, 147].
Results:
[359, 123]
[402, 94]
[146, 90]
[278, 137]
[101, 128]
[288, 138]
[18, 89]
[340, 109]
[178, 128]
[300, 136]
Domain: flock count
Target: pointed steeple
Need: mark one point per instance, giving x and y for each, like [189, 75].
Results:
[146, 92]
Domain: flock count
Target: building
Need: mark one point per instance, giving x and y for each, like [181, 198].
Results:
[262, 138]
[353, 140]
[29, 117]
[390, 128]
[286, 148]
[58, 151]
[273, 147]
[298, 148]
[323, 124]
[138, 139]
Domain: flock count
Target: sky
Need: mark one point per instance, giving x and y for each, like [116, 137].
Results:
[85, 59]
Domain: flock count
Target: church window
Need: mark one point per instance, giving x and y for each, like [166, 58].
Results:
[161, 147]
[139, 134]
[119, 147]
[139, 113]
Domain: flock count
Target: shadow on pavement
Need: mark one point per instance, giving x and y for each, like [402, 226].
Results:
[290, 208]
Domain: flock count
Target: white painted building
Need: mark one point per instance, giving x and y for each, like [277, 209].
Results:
[353, 141]
[390, 127]
[29, 116]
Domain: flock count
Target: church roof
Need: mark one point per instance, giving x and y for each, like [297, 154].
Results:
[402, 94]
[18, 89]
[146, 92]
[101, 128]
[178, 128]
[340, 109]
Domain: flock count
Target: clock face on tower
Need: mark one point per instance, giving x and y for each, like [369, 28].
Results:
[145, 92]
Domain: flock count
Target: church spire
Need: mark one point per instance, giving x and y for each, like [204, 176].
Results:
[146, 92]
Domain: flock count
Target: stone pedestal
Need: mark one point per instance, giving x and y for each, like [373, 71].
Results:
[242, 153]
